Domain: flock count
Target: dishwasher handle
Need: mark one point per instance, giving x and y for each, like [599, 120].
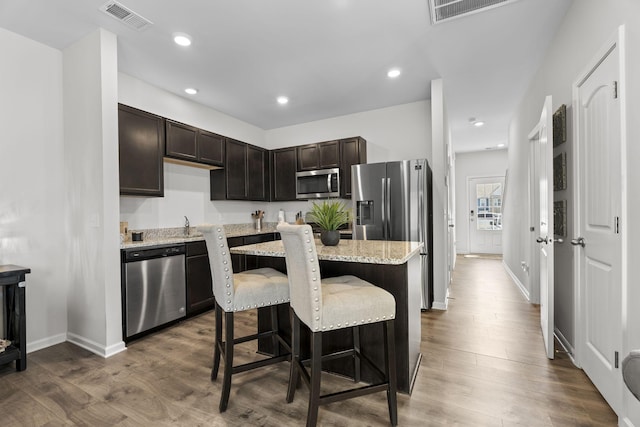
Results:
[135, 255]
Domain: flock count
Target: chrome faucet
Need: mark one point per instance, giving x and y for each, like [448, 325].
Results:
[186, 226]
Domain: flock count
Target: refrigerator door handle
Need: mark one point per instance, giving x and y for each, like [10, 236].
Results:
[387, 206]
[384, 210]
[421, 219]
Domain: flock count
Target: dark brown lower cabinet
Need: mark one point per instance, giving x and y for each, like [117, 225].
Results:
[199, 284]
[239, 262]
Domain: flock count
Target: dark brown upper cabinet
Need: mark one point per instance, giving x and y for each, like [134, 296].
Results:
[141, 140]
[211, 148]
[321, 155]
[257, 173]
[191, 144]
[283, 172]
[353, 151]
[245, 175]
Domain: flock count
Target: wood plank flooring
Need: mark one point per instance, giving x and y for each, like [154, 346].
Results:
[484, 365]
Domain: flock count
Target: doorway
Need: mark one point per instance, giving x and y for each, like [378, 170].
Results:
[485, 214]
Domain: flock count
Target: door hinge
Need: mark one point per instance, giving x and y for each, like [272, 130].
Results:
[617, 227]
[615, 90]
[616, 359]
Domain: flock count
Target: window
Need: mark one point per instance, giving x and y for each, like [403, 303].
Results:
[489, 206]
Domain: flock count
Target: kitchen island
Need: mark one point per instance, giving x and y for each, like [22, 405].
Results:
[393, 266]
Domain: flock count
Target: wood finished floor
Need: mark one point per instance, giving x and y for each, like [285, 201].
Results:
[484, 365]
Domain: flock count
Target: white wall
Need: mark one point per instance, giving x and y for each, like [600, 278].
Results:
[473, 165]
[439, 165]
[587, 26]
[92, 190]
[32, 205]
[187, 189]
[401, 132]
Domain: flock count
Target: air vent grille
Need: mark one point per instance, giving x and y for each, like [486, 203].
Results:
[444, 10]
[123, 14]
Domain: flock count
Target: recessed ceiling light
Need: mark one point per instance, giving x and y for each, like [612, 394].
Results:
[393, 73]
[478, 123]
[500, 145]
[191, 91]
[182, 39]
[282, 100]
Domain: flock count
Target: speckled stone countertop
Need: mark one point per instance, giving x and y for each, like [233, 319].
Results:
[363, 251]
[167, 236]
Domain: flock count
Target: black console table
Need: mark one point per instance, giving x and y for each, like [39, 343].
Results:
[15, 319]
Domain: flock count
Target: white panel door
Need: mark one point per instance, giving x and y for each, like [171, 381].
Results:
[542, 138]
[485, 214]
[599, 243]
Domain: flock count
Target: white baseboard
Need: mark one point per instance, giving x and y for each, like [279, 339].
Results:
[46, 342]
[625, 422]
[439, 305]
[94, 347]
[517, 281]
[566, 345]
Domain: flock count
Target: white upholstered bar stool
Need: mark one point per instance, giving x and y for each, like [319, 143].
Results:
[330, 304]
[247, 290]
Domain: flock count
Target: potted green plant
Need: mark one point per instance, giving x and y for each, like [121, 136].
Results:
[330, 215]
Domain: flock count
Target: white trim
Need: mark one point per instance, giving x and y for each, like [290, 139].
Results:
[45, 342]
[625, 422]
[517, 281]
[565, 344]
[94, 347]
[436, 305]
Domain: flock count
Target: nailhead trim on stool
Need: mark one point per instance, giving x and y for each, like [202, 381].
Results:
[234, 292]
[329, 304]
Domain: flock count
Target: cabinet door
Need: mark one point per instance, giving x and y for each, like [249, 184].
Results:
[199, 284]
[308, 158]
[237, 261]
[141, 140]
[283, 170]
[210, 148]
[257, 178]
[353, 152]
[329, 154]
[181, 141]
[236, 170]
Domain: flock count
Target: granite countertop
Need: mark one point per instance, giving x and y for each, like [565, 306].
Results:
[363, 251]
[168, 236]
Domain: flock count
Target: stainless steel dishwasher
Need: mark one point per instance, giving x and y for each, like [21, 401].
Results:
[153, 287]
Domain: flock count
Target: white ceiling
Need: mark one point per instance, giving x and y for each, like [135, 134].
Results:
[330, 57]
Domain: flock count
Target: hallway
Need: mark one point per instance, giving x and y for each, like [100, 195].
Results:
[484, 361]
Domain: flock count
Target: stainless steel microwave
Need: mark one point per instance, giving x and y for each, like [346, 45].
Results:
[318, 184]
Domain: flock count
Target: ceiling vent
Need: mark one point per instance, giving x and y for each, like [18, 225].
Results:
[444, 10]
[125, 15]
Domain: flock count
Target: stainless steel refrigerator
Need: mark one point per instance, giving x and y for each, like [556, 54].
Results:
[393, 201]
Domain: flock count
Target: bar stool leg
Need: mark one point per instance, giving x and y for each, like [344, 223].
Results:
[294, 373]
[356, 347]
[390, 356]
[274, 328]
[228, 360]
[217, 343]
[316, 372]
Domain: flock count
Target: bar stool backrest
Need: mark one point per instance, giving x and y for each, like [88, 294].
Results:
[220, 260]
[303, 271]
